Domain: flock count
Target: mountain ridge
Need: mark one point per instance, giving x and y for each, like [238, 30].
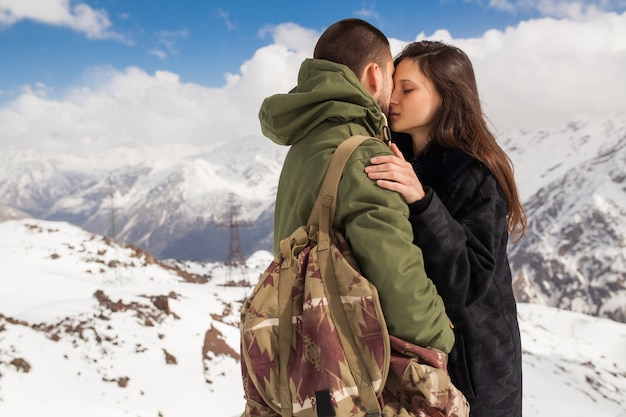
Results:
[201, 203]
[573, 182]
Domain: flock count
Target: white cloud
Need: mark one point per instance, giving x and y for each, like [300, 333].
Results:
[159, 53]
[66, 13]
[122, 108]
[225, 16]
[116, 107]
[292, 36]
[368, 13]
[546, 71]
[167, 39]
[543, 72]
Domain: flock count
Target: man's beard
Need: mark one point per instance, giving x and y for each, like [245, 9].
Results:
[384, 107]
[384, 99]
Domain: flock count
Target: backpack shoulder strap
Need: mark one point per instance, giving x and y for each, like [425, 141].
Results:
[323, 215]
[330, 185]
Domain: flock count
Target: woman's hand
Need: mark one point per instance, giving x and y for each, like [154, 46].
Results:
[394, 173]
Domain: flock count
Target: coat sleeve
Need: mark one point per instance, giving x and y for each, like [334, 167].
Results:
[461, 240]
[375, 223]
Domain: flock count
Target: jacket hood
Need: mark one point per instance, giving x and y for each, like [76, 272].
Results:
[327, 94]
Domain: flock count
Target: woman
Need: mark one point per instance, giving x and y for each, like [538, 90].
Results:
[463, 203]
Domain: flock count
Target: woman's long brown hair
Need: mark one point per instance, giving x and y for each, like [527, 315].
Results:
[460, 122]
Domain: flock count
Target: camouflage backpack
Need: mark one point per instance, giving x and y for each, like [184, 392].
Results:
[314, 342]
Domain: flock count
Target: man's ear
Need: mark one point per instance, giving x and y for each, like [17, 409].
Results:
[371, 78]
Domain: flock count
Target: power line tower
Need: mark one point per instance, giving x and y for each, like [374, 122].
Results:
[112, 201]
[235, 259]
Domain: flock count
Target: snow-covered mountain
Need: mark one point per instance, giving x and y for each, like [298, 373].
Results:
[573, 180]
[177, 201]
[93, 328]
[184, 202]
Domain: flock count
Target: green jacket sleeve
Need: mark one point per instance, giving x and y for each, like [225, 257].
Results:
[375, 223]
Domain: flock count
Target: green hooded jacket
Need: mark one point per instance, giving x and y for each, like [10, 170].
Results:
[326, 107]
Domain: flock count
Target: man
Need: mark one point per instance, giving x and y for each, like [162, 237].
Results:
[343, 91]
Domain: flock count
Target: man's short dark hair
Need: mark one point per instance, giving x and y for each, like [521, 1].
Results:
[353, 43]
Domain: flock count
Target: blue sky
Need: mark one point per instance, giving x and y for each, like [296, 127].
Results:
[102, 71]
[202, 40]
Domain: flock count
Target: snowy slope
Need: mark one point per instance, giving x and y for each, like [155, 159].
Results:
[541, 156]
[92, 328]
[574, 254]
[104, 330]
